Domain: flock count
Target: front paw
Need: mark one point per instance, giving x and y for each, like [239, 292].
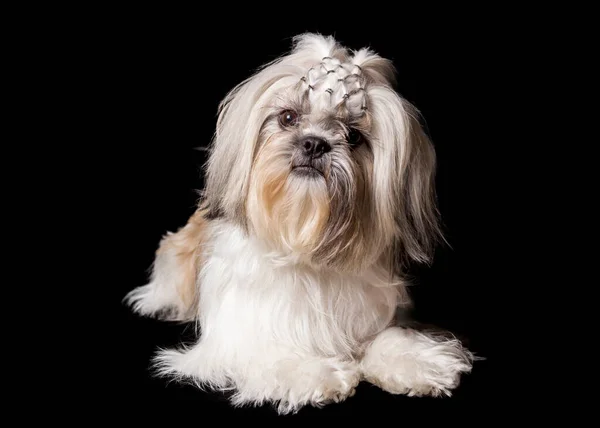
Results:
[423, 378]
[411, 363]
[317, 383]
[339, 384]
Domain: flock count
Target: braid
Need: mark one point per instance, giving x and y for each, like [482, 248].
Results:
[332, 83]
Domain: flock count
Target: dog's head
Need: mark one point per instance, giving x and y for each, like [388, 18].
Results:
[317, 156]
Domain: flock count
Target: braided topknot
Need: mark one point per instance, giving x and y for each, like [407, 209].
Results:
[334, 76]
[333, 82]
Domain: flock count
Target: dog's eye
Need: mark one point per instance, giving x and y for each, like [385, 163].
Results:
[288, 118]
[354, 137]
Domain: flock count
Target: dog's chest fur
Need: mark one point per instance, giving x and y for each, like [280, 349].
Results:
[254, 298]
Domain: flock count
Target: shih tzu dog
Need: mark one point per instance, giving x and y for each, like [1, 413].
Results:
[319, 190]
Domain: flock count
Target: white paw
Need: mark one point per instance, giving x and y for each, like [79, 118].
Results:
[420, 378]
[408, 362]
[317, 383]
[337, 386]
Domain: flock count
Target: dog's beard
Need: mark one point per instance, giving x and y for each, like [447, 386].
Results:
[287, 209]
[317, 216]
[302, 212]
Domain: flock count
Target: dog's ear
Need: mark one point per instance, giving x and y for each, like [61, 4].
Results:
[231, 151]
[404, 176]
[420, 214]
[404, 164]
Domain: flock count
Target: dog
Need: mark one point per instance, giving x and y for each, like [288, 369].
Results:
[319, 192]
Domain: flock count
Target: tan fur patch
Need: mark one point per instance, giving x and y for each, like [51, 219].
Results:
[271, 192]
[186, 244]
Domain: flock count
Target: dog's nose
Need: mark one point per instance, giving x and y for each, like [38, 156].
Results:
[314, 147]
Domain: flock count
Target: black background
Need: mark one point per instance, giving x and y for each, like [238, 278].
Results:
[155, 81]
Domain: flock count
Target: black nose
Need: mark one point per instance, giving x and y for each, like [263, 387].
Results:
[314, 147]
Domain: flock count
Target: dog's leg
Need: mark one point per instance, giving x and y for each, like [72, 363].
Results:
[172, 292]
[287, 379]
[406, 361]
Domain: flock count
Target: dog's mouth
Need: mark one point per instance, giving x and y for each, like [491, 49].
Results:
[308, 171]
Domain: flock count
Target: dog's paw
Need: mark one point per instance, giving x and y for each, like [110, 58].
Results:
[316, 382]
[419, 378]
[407, 362]
[339, 384]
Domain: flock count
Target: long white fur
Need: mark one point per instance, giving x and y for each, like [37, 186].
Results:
[258, 313]
[275, 324]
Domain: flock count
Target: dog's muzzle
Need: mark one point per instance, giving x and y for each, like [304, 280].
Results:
[309, 162]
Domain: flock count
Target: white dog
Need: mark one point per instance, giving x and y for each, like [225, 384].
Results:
[319, 190]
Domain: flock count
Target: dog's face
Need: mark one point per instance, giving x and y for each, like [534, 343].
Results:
[317, 156]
